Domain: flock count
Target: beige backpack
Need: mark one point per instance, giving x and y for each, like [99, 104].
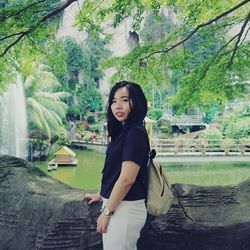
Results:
[159, 194]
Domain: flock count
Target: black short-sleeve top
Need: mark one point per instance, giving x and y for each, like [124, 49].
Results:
[130, 145]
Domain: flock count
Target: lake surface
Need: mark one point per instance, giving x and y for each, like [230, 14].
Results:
[87, 175]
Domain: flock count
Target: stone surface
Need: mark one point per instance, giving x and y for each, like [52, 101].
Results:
[202, 218]
[38, 212]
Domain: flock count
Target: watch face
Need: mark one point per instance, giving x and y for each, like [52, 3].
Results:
[106, 211]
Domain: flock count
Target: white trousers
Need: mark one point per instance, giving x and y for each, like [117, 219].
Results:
[125, 225]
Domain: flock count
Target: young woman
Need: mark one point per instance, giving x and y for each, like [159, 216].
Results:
[122, 189]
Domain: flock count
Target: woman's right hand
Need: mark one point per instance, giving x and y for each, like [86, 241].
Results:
[90, 198]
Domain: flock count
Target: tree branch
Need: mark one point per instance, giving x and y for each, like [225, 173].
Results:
[21, 10]
[85, 20]
[209, 63]
[197, 28]
[40, 22]
[56, 11]
[238, 40]
[245, 36]
[224, 46]
[98, 5]
[14, 34]
[15, 42]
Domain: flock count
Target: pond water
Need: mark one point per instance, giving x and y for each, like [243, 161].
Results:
[87, 175]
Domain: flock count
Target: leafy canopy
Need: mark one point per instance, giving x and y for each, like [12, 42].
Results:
[28, 26]
[211, 65]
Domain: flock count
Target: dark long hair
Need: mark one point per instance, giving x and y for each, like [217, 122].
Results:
[138, 109]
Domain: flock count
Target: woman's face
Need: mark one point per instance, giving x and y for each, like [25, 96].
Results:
[121, 105]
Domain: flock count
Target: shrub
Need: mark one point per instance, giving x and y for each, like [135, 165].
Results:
[54, 138]
[245, 140]
[64, 137]
[74, 111]
[87, 136]
[228, 143]
[213, 135]
[91, 119]
[96, 128]
[238, 129]
[235, 124]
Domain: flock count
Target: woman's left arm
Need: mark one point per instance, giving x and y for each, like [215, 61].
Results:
[129, 172]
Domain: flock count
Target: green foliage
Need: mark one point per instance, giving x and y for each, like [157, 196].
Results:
[209, 65]
[44, 106]
[211, 113]
[56, 60]
[96, 128]
[206, 66]
[95, 47]
[87, 136]
[155, 114]
[90, 98]
[91, 118]
[77, 58]
[38, 137]
[239, 129]
[94, 13]
[213, 135]
[228, 143]
[18, 17]
[85, 94]
[197, 11]
[235, 123]
[63, 137]
[156, 28]
[212, 81]
[74, 111]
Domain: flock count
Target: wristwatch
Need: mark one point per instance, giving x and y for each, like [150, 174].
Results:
[106, 212]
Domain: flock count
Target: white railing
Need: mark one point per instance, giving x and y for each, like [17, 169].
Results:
[179, 146]
[184, 119]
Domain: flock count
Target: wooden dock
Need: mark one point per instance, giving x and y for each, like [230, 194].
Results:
[63, 163]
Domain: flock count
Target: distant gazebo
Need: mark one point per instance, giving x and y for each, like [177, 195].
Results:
[63, 157]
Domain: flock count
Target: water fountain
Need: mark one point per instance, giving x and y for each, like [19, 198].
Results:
[13, 121]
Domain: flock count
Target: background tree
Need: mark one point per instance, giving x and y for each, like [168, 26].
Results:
[83, 75]
[45, 108]
[95, 47]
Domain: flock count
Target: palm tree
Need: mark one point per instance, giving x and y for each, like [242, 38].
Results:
[45, 107]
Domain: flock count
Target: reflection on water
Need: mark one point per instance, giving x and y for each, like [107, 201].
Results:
[87, 175]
